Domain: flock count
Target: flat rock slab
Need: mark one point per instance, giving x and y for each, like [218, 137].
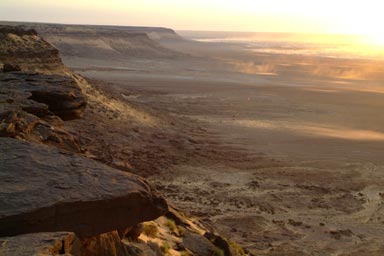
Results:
[43, 189]
[59, 243]
[40, 94]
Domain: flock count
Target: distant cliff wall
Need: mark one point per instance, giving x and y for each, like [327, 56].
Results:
[28, 50]
[100, 42]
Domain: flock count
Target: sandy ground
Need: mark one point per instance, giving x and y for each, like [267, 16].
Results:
[283, 154]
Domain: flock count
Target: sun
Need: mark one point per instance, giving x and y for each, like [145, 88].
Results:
[377, 39]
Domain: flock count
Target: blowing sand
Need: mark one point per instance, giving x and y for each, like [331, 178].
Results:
[284, 154]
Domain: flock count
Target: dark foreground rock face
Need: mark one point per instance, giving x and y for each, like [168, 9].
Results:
[32, 107]
[59, 243]
[46, 190]
[56, 94]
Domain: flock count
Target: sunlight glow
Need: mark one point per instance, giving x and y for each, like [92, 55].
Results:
[377, 39]
[303, 16]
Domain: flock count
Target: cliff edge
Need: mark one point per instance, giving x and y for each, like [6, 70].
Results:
[28, 50]
[55, 199]
[47, 185]
[99, 42]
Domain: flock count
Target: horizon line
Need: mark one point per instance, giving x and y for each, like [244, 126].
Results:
[188, 30]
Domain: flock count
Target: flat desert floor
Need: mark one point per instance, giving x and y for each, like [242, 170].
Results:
[297, 163]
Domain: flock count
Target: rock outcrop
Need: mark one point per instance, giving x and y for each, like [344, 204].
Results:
[51, 188]
[43, 189]
[43, 95]
[28, 50]
[40, 244]
[32, 107]
[198, 244]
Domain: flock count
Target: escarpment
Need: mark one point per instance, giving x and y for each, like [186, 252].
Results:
[28, 50]
[55, 199]
[46, 183]
[99, 42]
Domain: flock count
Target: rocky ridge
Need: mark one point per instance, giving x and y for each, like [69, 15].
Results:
[117, 42]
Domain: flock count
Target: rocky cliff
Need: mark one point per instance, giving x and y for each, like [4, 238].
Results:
[47, 185]
[28, 50]
[115, 42]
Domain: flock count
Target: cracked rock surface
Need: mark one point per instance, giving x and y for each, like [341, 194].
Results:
[76, 194]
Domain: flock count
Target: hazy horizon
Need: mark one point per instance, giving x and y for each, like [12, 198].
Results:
[278, 16]
[192, 30]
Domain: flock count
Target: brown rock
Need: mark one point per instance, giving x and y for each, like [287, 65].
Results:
[219, 242]
[24, 118]
[47, 190]
[108, 244]
[13, 123]
[198, 244]
[37, 94]
[134, 232]
[40, 244]
[26, 49]
[177, 217]
[19, 124]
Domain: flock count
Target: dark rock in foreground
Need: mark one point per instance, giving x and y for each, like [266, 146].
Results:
[40, 244]
[58, 94]
[31, 104]
[46, 190]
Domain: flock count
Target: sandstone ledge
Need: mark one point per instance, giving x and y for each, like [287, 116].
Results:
[46, 190]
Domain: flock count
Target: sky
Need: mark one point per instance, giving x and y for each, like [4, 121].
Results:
[305, 16]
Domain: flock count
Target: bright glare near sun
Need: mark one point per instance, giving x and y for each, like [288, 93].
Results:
[363, 17]
[375, 40]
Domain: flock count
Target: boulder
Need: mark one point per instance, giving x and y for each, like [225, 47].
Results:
[43, 189]
[40, 244]
[198, 244]
[220, 243]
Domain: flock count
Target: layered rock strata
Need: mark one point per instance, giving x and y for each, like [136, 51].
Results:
[28, 50]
